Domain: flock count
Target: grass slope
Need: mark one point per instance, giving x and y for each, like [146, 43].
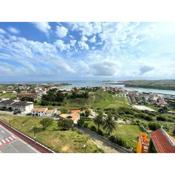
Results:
[70, 141]
[98, 99]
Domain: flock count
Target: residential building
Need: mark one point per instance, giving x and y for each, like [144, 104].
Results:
[41, 112]
[161, 142]
[6, 104]
[22, 107]
[73, 115]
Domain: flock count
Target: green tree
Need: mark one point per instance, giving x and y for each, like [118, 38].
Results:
[46, 122]
[87, 113]
[81, 121]
[154, 125]
[99, 120]
[174, 131]
[65, 124]
[109, 124]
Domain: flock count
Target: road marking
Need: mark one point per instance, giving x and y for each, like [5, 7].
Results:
[3, 141]
[10, 138]
[7, 139]
[13, 136]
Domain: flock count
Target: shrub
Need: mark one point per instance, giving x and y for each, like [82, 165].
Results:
[119, 141]
[93, 128]
[46, 122]
[174, 131]
[161, 118]
[154, 126]
[100, 132]
[65, 124]
[85, 125]
[81, 122]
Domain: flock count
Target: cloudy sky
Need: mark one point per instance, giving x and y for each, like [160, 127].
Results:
[92, 51]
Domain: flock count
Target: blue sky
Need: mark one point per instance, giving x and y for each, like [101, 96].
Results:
[91, 50]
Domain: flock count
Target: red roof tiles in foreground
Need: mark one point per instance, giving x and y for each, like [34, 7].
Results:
[163, 143]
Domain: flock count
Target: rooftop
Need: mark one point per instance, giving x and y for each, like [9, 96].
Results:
[163, 143]
[40, 110]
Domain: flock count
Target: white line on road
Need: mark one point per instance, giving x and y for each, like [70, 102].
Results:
[3, 141]
[10, 138]
[7, 139]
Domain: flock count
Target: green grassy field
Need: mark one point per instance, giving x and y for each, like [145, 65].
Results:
[128, 133]
[98, 99]
[70, 141]
[8, 95]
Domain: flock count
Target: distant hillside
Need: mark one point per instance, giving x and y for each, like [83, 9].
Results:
[155, 84]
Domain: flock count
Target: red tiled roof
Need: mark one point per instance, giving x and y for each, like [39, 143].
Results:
[163, 143]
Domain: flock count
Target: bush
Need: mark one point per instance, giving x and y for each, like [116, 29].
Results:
[112, 139]
[100, 132]
[174, 131]
[154, 126]
[65, 124]
[85, 125]
[119, 141]
[81, 122]
[46, 122]
[93, 128]
[161, 118]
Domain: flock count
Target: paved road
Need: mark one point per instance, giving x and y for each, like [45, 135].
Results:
[9, 143]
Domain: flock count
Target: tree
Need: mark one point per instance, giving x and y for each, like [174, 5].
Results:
[154, 126]
[109, 124]
[65, 124]
[81, 121]
[46, 122]
[99, 120]
[87, 113]
[174, 131]
[163, 109]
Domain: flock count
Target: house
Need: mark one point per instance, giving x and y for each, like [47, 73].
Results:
[39, 112]
[74, 115]
[161, 142]
[27, 96]
[161, 102]
[51, 112]
[22, 107]
[6, 104]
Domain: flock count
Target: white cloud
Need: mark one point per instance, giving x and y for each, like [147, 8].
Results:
[2, 31]
[105, 68]
[27, 58]
[84, 38]
[87, 28]
[61, 45]
[83, 45]
[93, 39]
[72, 43]
[116, 58]
[43, 27]
[61, 31]
[13, 30]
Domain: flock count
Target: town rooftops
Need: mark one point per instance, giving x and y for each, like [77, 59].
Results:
[163, 143]
[6, 102]
[73, 115]
[21, 103]
[40, 110]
